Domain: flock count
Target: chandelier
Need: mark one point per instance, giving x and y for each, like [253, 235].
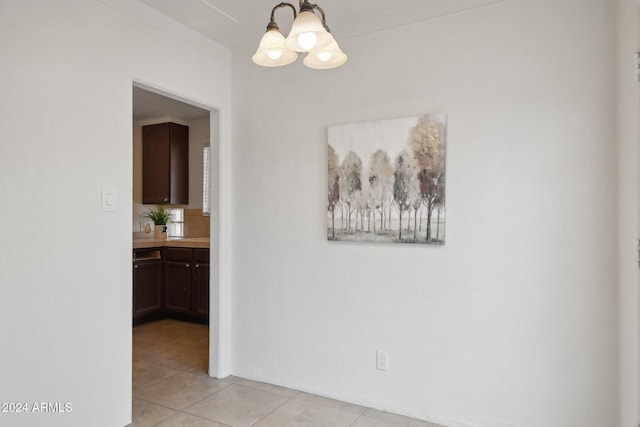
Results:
[308, 34]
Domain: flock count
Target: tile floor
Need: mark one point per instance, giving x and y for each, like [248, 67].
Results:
[171, 388]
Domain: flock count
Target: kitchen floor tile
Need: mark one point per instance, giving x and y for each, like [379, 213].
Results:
[182, 390]
[186, 420]
[237, 406]
[146, 414]
[146, 374]
[282, 391]
[375, 418]
[147, 348]
[300, 413]
[184, 359]
[330, 403]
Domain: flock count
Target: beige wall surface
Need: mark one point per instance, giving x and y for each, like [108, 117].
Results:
[513, 322]
[67, 69]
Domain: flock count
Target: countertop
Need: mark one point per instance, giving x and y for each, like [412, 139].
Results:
[172, 242]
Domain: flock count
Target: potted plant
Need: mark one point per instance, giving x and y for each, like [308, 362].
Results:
[160, 217]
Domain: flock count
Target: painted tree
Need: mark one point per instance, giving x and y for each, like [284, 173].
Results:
[438, 222]
[363, 206]
[405, 184]
[365, 203]
[416, 204]
[350, 183]
[381, 183]
[426, 140]
[333, 187]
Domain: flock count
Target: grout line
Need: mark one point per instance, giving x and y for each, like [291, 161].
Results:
[204, 398]
[203, 418]
[274, 409]
[356, 420]
[157, 404]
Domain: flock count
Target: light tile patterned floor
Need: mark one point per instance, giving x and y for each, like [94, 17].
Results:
[171, 388]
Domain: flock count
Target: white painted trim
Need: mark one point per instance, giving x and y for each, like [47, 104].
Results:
[628, 128]
[224, 230]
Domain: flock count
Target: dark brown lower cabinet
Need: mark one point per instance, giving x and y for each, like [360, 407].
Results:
[186, 283]
[171, 282]
[177, 280]
[200, 288]
[147, 283]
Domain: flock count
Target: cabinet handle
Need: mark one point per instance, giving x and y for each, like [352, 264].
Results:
[135, 266]
[166, 199]
[187, 266]
[197, 265]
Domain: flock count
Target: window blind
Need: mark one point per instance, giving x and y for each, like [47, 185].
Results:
[206, 181]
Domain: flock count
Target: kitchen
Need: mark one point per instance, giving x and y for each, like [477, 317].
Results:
[171, 270]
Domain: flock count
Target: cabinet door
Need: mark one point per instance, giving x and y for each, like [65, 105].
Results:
[165, 164]
[179, 174]
[177, 287]
[156, 163]
[200, 297]
[147, 288]
[200, 289]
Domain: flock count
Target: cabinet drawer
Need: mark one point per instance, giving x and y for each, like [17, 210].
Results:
[150, 254]
[178, 254]
[201, 256]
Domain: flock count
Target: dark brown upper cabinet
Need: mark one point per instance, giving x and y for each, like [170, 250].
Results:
[165, 164]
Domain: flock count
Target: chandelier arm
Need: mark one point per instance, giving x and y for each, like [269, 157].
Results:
[305, 6]
[324, 21]
[283, 4]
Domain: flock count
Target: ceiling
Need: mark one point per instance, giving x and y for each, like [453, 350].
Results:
[149, 105]
[238, 26]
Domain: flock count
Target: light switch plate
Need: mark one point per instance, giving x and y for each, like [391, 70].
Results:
[108, 199]
[382, 360]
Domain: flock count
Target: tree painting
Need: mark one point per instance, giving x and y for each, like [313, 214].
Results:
[386, 181]
[333, 184]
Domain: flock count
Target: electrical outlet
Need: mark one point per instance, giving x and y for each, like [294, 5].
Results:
[382, 360]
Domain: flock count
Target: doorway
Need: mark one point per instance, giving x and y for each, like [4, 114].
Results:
[152, 105]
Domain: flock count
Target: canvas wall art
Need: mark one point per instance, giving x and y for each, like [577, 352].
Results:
[386, 181]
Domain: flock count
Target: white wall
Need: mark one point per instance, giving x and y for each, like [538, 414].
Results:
[66, 71]
[514, 321]
[628, 115]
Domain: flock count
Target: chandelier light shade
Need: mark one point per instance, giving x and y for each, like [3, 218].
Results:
[273, 51]
[308, 34]
[325, 58]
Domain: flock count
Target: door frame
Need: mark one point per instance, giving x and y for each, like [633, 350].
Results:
[219, 234]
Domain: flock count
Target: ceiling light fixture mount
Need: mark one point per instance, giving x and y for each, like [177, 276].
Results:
[308, 34]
